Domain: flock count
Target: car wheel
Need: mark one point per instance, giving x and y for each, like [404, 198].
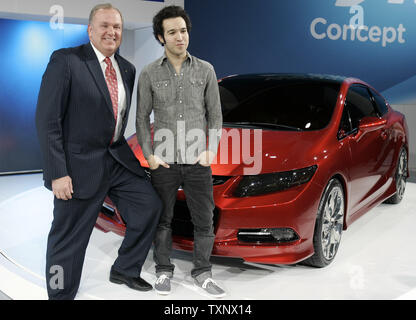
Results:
[400, 177]
[329, 225]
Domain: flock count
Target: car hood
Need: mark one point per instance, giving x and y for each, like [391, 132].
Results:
[266, 151]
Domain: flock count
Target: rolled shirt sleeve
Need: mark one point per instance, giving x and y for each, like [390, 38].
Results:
[213, 107]
[144, 109]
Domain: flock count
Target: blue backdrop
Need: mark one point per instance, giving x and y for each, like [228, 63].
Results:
[25, 51]
[313, 36]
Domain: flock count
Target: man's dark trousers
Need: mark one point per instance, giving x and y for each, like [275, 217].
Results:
[74, 220]
[196, 181]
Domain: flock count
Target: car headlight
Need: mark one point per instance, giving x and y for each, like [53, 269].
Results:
[272, 182]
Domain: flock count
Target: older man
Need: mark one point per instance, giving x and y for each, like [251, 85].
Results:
[81, 116]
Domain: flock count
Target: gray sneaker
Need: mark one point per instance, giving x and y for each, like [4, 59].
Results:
[211, 287]
[162, 284]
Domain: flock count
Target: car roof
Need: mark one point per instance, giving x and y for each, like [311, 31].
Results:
[258, 77]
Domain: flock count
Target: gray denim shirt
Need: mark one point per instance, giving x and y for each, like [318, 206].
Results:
[186, 109]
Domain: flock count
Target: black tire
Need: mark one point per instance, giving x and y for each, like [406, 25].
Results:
[328, 226]
[400, 178]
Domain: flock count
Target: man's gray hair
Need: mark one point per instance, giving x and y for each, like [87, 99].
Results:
[103, 6]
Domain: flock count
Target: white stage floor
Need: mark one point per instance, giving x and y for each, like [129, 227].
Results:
[376, 258]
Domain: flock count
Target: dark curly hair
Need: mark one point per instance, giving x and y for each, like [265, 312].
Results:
[167, 13]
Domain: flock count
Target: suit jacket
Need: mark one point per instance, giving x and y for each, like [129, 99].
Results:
[75, 120]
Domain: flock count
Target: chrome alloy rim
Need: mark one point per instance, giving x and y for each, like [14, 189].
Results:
[332, 223]
[401, 174]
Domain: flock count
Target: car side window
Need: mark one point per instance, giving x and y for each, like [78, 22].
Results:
[345, 125]
[380, 102]
[359, 104]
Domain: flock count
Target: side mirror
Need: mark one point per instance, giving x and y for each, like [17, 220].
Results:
[368, 124]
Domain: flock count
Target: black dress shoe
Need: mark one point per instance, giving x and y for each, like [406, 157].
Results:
[134, 283]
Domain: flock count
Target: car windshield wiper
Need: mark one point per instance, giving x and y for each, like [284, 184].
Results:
[263, 125]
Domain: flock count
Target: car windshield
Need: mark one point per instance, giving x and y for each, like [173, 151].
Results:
[278, 104]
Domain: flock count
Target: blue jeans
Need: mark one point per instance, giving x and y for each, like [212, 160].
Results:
[196, 181]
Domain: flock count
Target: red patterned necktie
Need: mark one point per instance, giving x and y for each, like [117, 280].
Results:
[111, 79]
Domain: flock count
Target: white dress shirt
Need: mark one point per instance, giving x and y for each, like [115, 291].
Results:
[121, 90]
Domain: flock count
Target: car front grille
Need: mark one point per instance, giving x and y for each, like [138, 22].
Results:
[182, 224]
[218, 180]
[267, 235]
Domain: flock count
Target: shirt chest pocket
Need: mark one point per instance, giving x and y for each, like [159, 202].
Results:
[162, 91]
[197, 88]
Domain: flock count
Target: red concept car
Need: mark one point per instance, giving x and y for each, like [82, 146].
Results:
[300, 158]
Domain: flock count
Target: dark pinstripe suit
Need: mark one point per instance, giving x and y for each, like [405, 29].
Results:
[75, 124]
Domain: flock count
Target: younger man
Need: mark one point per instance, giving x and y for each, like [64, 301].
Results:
[182, 90]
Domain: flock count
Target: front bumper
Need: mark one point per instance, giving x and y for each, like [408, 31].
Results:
[295, 209]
